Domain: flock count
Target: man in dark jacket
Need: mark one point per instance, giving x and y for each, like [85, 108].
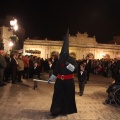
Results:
[2, 67]
[14, 65]
[88, 67]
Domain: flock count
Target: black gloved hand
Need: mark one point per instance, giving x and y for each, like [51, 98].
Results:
[67, 63]
[49, 81]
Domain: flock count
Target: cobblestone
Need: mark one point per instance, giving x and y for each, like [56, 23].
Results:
[22, 102]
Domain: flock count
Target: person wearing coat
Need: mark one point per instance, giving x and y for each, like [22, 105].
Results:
[82, 78]
[14, 65]
[20, 67]
[2, 67]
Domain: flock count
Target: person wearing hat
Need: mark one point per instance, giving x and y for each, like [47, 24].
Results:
[63, 101]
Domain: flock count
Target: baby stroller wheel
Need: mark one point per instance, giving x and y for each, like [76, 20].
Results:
[117, 96]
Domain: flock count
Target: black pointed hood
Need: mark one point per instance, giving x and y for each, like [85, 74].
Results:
[64, 55]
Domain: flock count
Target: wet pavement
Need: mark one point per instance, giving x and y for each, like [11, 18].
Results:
[22, 102]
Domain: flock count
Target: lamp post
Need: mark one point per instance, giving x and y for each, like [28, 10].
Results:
[13, 37]
[14, 25]
[10, 45]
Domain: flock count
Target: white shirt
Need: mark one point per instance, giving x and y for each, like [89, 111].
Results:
[81, 72]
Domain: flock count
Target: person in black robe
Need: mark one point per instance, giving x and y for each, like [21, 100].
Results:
[63, 101]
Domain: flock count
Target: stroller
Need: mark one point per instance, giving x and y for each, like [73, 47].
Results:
[113, 94]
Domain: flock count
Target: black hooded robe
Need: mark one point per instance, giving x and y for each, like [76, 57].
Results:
[63, 101]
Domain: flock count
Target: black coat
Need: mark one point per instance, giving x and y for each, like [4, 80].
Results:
[52, 67]
[88, 66]
[63, 101]
[83, 77]
[36, 71]
[13, 65]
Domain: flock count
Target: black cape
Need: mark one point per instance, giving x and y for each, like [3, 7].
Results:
[63, 101]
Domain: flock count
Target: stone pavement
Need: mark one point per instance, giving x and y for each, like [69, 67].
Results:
[22, 102]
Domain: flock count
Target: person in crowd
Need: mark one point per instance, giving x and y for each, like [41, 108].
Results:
[50, 68]
[2, 67]
[36, 72]
[46, 65]
[7, 69]
[26, 67]
[20, 67]
[31, 64]
[88, 67]
[63, 101]
[14, 65]
[82, 78]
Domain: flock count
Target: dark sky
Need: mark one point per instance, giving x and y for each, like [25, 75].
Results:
[52, 18]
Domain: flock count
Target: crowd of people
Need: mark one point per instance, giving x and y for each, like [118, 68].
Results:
[16, 66]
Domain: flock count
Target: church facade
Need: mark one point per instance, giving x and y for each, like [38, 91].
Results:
[80, 46]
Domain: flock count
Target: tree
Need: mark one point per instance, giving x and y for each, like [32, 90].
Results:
[13, 38]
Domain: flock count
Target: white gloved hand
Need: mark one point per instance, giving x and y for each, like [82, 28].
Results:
[52, 78]
[70, 67]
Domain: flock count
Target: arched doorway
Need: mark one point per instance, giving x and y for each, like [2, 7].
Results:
[106, 56]
[72, 54]
[90, 55]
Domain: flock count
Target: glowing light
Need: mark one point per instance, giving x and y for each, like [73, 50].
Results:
[15, 27]
[13, 22]
[10, 44]
[102, 54]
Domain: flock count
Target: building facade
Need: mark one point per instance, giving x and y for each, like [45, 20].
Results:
[5, 33]
[80, 46]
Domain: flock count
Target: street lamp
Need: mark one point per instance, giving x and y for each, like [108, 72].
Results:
[14, 27]
[14, 24]
[11, 44]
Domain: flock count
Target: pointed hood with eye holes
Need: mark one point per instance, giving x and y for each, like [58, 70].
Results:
[64, 55]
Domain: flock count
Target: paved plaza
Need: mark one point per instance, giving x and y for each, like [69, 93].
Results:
[22, 102]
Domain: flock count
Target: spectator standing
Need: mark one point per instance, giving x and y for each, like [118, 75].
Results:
[2, 67]
[26, 67]
[36, 72]
[20, 67]
[14, 65]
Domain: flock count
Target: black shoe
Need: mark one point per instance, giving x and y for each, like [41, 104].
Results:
[54, 115]
[108, 101]
[2, 84]
[13, 82]
[20, 81]
[80, 94]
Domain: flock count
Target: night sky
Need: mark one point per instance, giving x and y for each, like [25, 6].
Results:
[52, 18]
